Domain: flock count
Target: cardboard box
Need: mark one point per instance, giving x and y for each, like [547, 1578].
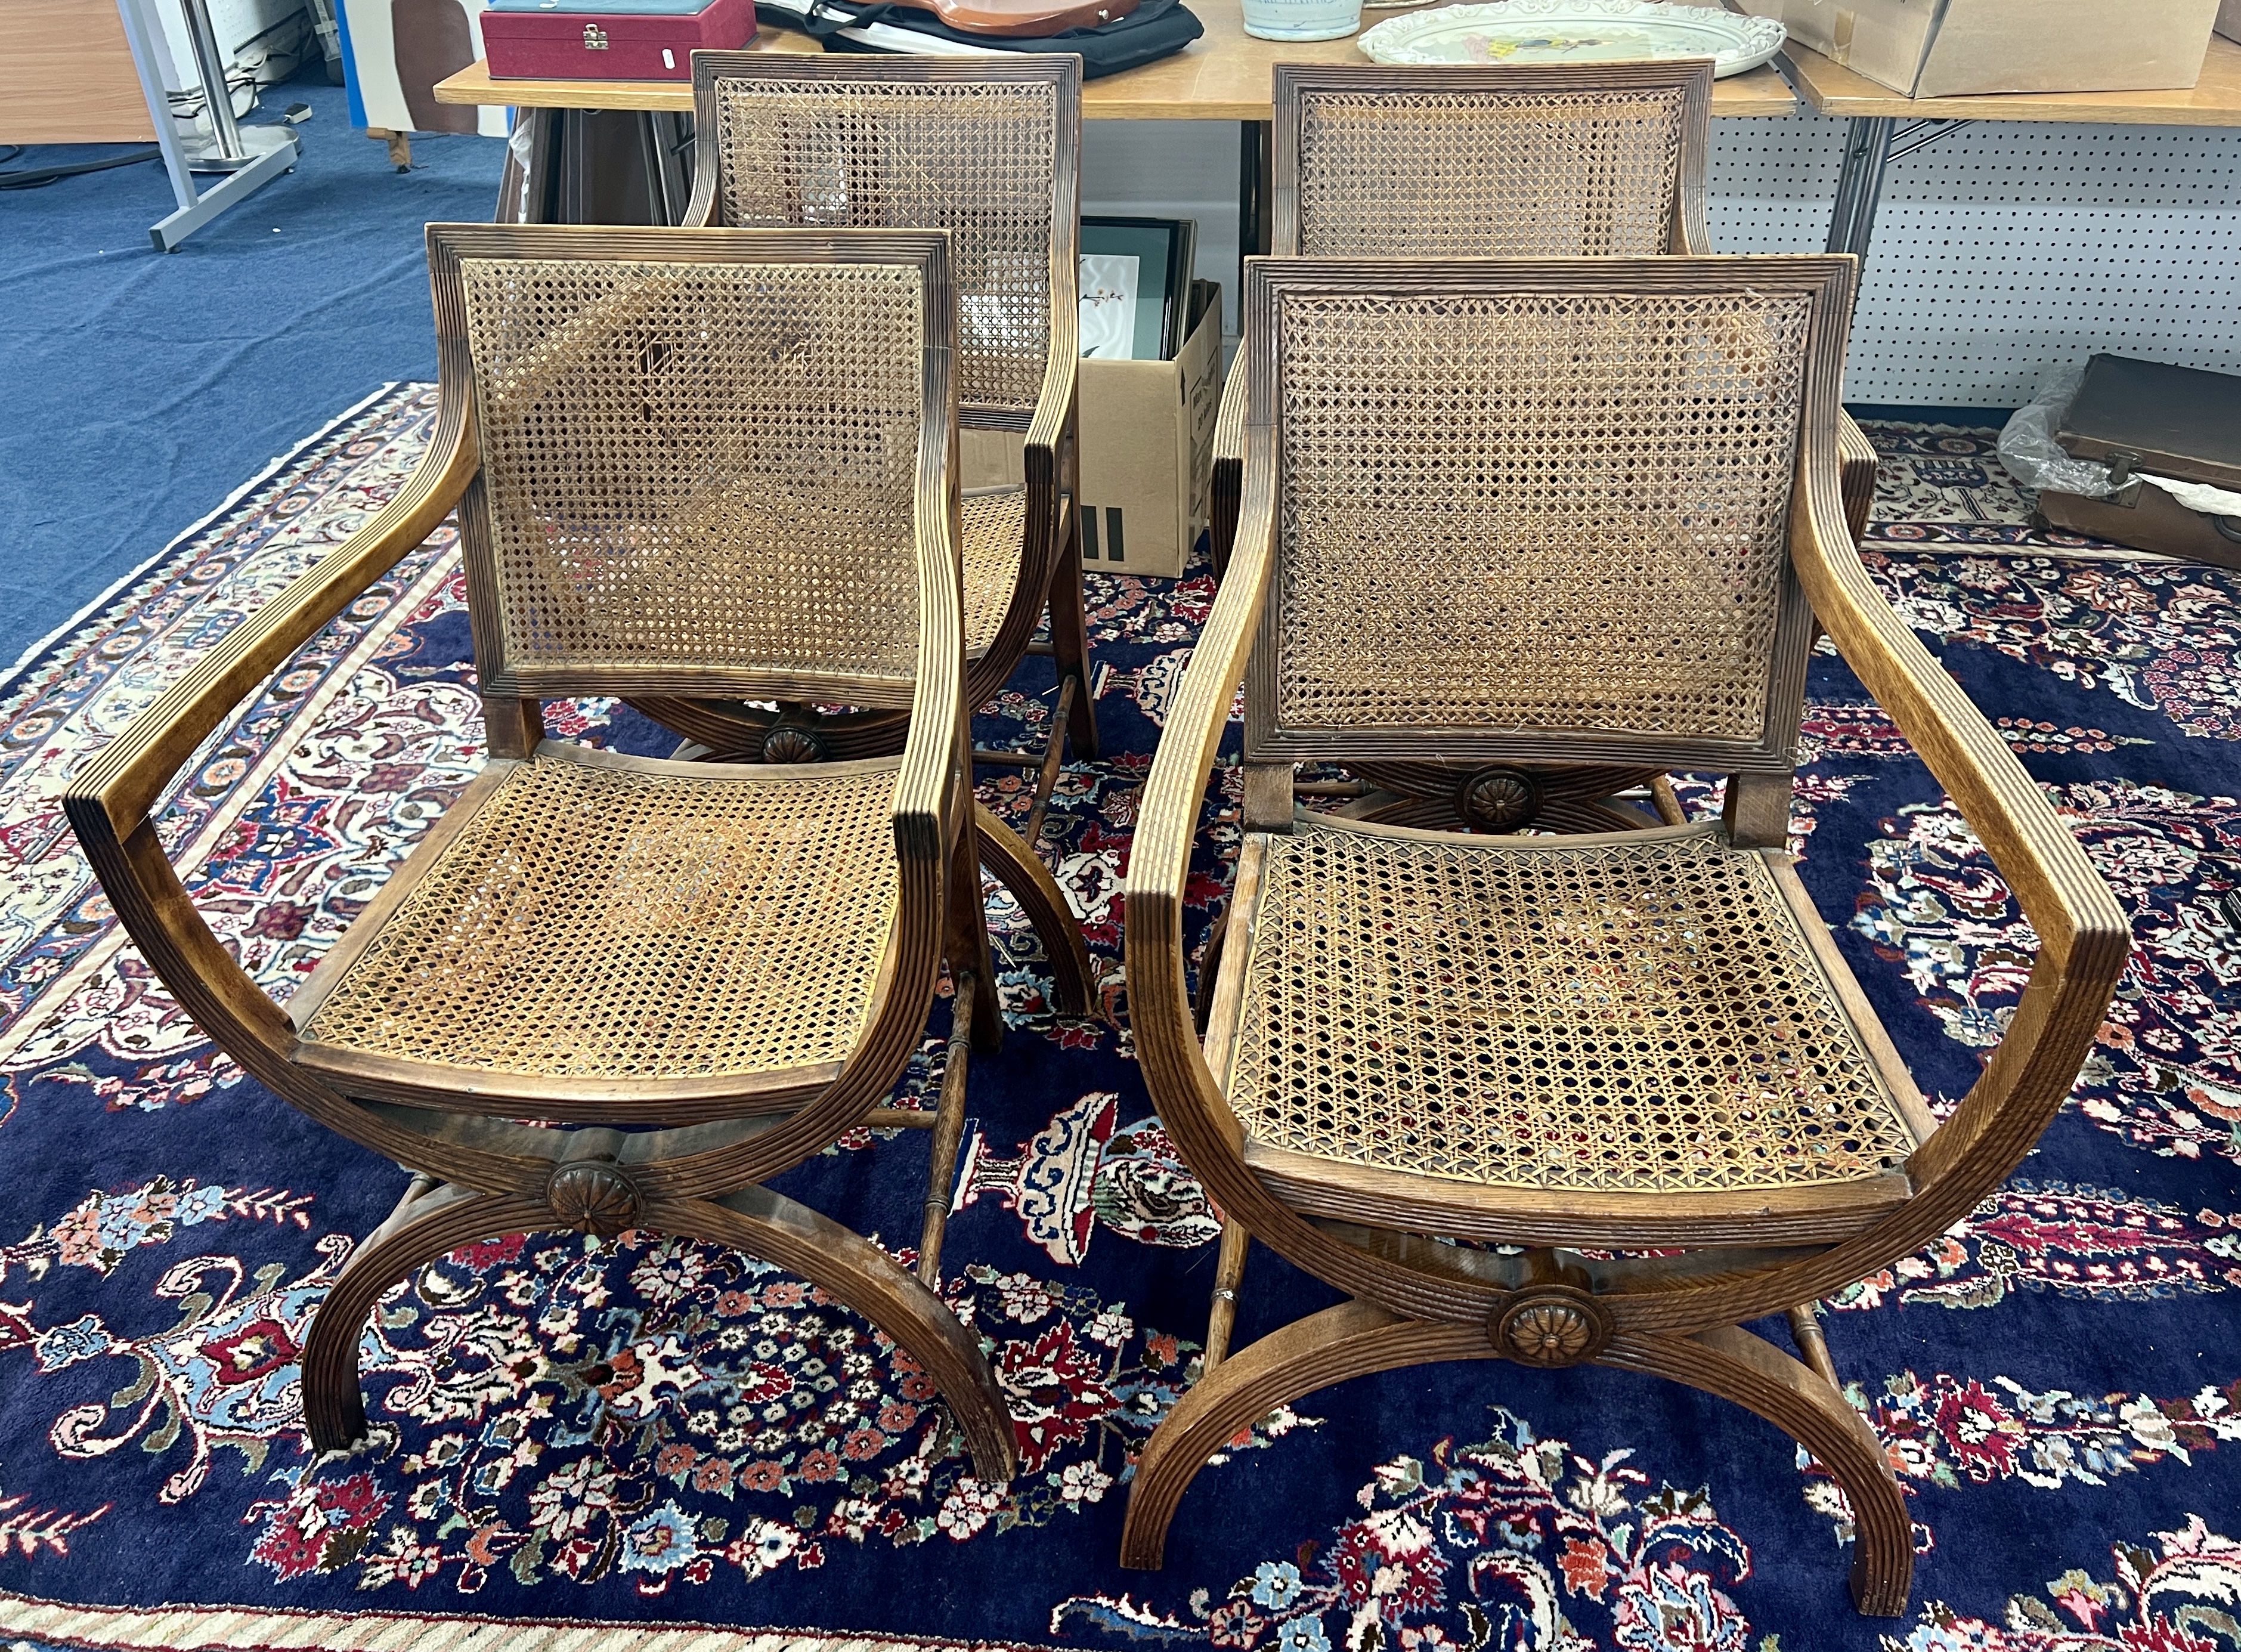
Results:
[1957, 48]
[1146, 435]
[2229, 19]
[1147, 449]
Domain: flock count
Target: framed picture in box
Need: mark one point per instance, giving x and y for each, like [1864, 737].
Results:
[1135, 276]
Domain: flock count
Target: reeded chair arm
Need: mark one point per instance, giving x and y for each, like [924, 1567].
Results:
[109, 803]
[1054, 405]
[2083, 936]
[1228, 481]
[928, 814]
[1047, 461]
[1859, 466]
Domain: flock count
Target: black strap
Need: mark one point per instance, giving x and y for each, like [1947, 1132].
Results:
[1156, 28]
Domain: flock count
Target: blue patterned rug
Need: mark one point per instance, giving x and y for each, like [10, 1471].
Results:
[570, 1435]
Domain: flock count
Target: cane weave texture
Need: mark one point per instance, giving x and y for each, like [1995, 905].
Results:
[1398, 172]
[979, 160]
[700, 464]
[995, 537]
[603, 923]
[1592, 539]
[1622, 1016]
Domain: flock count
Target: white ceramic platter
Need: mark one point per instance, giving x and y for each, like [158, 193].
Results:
[1572, 31]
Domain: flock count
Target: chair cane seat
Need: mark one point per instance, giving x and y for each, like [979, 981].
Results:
[995, 527]
[1637, 1013]
[618, 921]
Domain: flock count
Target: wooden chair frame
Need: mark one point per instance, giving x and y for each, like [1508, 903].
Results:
[698, 1172]
[1679, 1317]
[1298, 84]
[1050, 564]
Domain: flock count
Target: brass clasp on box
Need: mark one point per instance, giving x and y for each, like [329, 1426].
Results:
[2120, 479]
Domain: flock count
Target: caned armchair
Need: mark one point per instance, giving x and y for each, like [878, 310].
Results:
[1543, 160]
[1573, 510]
[989, 150]
[700, 463]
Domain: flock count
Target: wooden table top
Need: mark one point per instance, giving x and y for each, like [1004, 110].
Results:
[2215, 100]
[1224, 75]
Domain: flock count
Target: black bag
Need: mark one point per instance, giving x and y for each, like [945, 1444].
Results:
[1156, 28]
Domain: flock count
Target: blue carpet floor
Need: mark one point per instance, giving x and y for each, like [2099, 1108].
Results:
[143, 389]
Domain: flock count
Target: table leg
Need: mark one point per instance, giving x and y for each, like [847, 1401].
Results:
[669, 141]
[1256, 141]
[525, 187]
[1859, 185]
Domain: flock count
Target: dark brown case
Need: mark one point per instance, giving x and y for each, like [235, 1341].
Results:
[2179, 422]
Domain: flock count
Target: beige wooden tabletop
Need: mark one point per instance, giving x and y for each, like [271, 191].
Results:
[1222, 75]
[2215, 100]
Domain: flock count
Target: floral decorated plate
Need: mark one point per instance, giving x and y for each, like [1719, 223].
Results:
[1548, 32]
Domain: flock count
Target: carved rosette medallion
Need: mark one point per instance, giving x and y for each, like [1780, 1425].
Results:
[791, 743]
[1551, 1326]
[593, 1197]
[1497, 799]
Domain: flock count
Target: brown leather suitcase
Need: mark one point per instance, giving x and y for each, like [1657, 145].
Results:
[2179, 422]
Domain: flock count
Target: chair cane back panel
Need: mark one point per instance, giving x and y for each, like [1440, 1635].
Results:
[995, 525]
[973, 156]
[1594, 534]
[604, 923]
[1608, 1016]
[703, 465]
[1396, 163]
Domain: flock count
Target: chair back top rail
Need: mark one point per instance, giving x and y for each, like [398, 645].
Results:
[1602, 160]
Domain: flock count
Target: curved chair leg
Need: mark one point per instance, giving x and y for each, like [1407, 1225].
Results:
[1735, 1365]
[858, 1274]
[972, 963]
[1221, 1310]
[1069, 627]
[429, 1223]
[1353, 1339]
[1007, 858]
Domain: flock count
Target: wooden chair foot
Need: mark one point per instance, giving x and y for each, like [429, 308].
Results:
[1736, 1365]
[1353, 1339]
[860, 1275]
[1008, 859]
[430, 1222]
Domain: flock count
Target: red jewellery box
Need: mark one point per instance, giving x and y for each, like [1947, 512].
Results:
[609, 39]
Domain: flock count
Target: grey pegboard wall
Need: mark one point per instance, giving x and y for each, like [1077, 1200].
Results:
[2007, 250]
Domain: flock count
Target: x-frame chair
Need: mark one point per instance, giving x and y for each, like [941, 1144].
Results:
[697, 976]
[1637, 1056]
